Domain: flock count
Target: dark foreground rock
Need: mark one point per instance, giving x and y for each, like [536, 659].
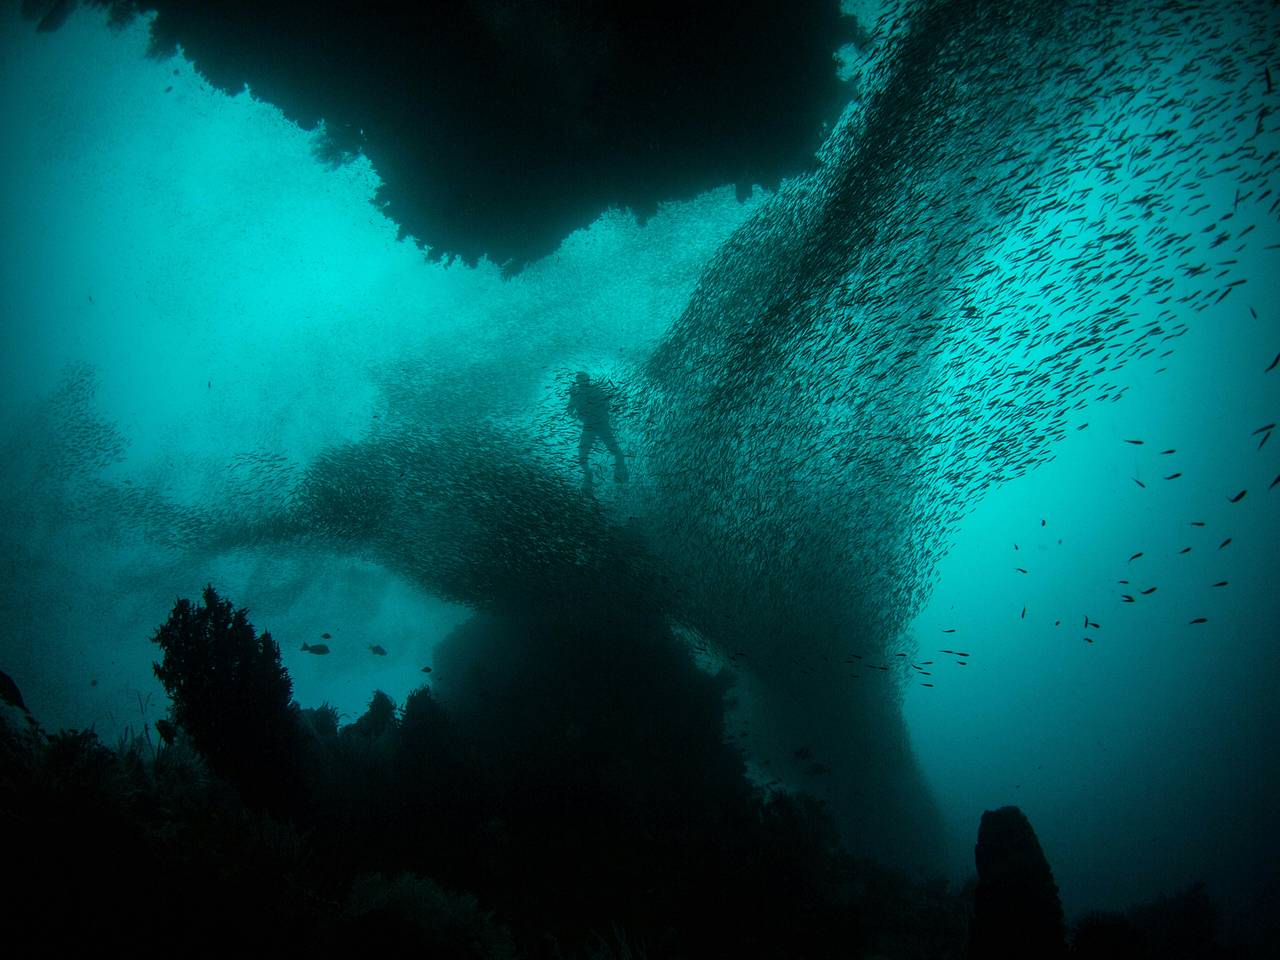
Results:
[1016, 911]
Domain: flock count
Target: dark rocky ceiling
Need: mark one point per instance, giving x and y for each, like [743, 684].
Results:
[499, 126]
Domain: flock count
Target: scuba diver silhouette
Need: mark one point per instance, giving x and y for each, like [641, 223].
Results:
[590, 403]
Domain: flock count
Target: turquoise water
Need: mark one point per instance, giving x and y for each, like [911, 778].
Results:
[855, 428]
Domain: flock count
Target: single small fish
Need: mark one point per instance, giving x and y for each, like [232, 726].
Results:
[926, 684]
[1170, 450]
[1197, 523]
[1042, 521]
[1273, 364]
[1148, 591]
[1184, 550]
[1238, 497]
[952, 652]
[1199, 620]
[1094, 624]
[1173, 476]
[319, 649]
[1221, 583]
[1088, 639]
[1083, 425]
[1020, 570]
[1275, 481]
[377, 650]
[1125, 582]
[325, 636]
[1267, 428]
[1265, 437]
[426, 669]
[959, 654]
[962, 663]
[950, 630]
[1139, 483]
[1135, 556]
[1136, 443]
[1024, 613]
[1224, 543]
[1126, 598]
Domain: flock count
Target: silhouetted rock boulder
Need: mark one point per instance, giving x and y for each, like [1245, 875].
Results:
[9, 692]
[1016, 910]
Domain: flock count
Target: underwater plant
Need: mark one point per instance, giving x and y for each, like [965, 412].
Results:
[232, 695]
[409, 912]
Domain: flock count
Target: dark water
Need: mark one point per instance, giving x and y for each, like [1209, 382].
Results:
[939, 449]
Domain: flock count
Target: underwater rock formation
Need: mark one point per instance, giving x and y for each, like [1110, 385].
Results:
[426, 832]
[9, 692]
[543, 826]
[1016, 910]
[19, 732]
[498, 128]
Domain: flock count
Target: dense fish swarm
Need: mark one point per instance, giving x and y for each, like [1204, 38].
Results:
[1033, 200]
[1037, 195]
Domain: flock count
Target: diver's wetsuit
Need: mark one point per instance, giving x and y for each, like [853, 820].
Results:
[590, 404]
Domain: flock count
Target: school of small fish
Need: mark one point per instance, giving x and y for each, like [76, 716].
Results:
[1039, 195]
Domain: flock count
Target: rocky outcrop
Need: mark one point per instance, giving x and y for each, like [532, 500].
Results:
[1016, 910]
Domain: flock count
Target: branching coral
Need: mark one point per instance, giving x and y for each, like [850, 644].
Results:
[231, 694]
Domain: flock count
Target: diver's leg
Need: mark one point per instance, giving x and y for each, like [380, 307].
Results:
[619, 462]
[585, 444]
